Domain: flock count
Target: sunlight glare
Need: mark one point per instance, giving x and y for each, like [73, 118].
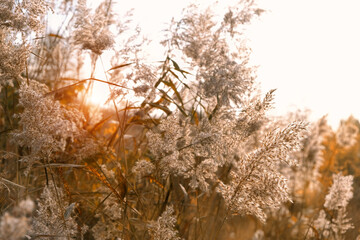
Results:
[99, 93]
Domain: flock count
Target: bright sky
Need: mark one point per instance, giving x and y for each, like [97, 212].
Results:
[308, 49]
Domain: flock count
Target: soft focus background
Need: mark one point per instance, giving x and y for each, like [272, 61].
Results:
[308, 50]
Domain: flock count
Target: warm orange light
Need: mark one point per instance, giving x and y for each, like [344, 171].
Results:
[99, 93]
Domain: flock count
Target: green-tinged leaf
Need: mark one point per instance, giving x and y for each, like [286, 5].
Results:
[177, 77]
[174, 74]
[177, 68]
[161, 107]
[168, 98]
[161, 79]
[143, 104]
[120, 66]
[69, 210]
[173, 87]
[165, 96]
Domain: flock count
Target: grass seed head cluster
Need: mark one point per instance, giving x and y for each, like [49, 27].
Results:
[184, 148]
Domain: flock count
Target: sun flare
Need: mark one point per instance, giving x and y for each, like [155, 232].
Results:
[99, 93]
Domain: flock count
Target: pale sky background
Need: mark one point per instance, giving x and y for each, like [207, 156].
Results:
[308, 49]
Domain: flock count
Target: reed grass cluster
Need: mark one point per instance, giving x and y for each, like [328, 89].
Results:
[183, 149]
